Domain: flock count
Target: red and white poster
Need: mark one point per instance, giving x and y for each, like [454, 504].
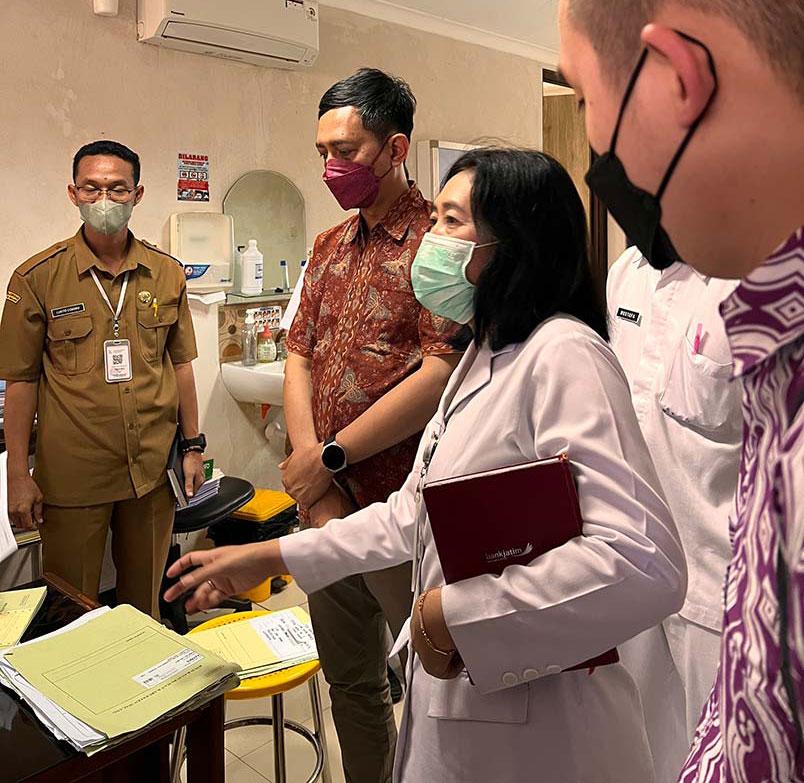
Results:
[193, 182]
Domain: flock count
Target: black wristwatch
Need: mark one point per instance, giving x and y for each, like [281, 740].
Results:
[194, 444]
[333, 456]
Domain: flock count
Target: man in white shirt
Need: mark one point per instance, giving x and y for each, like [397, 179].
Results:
[667, 333]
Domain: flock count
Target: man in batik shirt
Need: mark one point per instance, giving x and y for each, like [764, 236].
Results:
[366, 368]
[710, 100]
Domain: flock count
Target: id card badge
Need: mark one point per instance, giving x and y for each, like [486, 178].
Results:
[117, 358]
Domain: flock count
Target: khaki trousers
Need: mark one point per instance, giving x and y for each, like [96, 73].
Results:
[74, 542]
[349, 619]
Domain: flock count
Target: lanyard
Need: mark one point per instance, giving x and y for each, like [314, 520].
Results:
[421, 512]
[115, 313]
[436, 434]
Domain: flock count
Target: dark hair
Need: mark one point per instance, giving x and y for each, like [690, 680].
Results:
[540, 266]
[386, 104]
[106, 147]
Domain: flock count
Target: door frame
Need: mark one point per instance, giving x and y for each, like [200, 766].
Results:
[598, 214]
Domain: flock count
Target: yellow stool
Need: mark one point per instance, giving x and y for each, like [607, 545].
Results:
[275, 685]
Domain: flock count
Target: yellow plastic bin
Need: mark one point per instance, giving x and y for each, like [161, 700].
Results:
[269, 514]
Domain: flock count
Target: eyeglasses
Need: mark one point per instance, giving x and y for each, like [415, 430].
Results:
[90, 194]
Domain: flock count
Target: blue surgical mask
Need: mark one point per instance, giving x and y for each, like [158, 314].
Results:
[439, 277]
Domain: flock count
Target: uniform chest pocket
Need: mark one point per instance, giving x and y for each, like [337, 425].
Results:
[71, 345]
[700, 391]
[153, 325]
[458, 699]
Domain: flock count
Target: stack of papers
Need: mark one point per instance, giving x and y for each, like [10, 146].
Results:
[24, 537]
[17, 609]
[265, 644]
[209, 489]
[112, 674]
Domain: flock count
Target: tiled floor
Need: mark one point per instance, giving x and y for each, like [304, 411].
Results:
[249, 751]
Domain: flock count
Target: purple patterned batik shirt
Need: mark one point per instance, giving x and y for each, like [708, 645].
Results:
[750, 728]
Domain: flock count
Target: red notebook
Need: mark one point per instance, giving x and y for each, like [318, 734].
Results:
[484, 522]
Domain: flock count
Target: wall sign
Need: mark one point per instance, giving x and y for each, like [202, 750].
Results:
[193, 181]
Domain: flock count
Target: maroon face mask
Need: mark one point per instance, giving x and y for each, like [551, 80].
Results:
[354, 185]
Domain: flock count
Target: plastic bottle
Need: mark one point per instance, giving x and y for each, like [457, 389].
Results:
[248, 340]
[282, 346]
[266, 347]
[283, 268]
[251, 274]
[302, 265]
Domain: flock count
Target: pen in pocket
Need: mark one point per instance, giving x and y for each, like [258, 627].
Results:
[696, 343]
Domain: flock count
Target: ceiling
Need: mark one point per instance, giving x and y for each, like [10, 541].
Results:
[526, 27]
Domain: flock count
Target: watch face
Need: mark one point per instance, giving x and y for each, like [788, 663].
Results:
[333, 456]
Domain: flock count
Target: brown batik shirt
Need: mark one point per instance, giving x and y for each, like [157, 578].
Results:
[364, 331]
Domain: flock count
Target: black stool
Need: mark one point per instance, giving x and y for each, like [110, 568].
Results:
[232, 494]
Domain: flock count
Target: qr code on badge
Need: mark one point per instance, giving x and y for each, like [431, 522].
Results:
[117, 358]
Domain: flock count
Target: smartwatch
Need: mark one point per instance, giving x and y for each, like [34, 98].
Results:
[194, 444]
[333, 456]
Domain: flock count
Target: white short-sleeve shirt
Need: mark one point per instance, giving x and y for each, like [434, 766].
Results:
[668, 334]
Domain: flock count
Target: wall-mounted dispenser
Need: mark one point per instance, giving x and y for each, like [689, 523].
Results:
[204, 243]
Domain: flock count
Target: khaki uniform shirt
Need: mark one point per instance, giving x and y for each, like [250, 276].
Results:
[98, 442]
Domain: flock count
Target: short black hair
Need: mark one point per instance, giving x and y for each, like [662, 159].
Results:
[540, 266]
[385, 103]
[107, 147]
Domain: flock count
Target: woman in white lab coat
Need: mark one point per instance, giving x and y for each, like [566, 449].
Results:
[539, 379]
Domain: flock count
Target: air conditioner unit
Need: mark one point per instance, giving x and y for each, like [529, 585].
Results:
[276, 33]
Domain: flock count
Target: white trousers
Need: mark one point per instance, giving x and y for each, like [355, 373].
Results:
[674, 667]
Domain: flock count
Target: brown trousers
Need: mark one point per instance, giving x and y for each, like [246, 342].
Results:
[74, 542]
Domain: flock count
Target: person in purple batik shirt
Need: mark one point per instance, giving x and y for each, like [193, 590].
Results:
[700, 107]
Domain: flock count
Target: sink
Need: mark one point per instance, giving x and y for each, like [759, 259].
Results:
[261, 383]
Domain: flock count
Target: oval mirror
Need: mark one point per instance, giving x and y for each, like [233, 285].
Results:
[268, 207]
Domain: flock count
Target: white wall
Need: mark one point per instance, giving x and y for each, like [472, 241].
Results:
[69, 77]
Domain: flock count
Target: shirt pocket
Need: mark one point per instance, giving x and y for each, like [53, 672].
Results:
[71, 345]
[699, 391]
[458, 699]
[153, 328]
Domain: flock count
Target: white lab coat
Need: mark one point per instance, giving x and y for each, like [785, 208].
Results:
[522, 720]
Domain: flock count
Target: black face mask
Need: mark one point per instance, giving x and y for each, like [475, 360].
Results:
[637, 211]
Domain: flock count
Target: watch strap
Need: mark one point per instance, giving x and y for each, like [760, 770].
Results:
[198, 443]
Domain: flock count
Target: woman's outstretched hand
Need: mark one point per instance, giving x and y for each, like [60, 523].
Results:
[210, 576]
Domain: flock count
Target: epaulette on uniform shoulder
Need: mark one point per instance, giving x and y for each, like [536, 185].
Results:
[159, 250]
[40, 258]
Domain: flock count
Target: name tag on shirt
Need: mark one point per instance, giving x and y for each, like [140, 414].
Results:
[117, 358]
[632, 316]
[60, 312]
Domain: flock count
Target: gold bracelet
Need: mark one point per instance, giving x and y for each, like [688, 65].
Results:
[446, 654]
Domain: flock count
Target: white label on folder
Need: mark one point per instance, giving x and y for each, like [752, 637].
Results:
[168, 668]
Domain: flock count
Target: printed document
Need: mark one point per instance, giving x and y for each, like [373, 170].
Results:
[17, 609]
[264, 644]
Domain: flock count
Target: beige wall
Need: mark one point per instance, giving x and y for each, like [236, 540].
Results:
[69, 77]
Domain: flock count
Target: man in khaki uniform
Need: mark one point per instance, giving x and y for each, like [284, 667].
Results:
[97, 342]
